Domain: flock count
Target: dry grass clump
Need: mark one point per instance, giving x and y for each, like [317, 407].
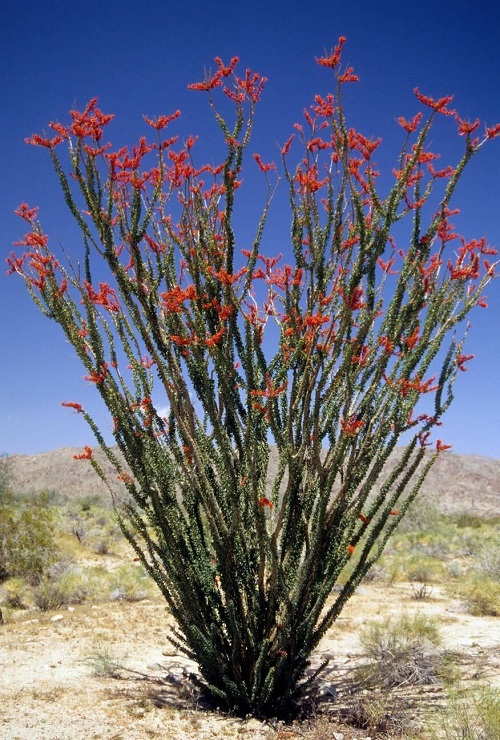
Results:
[467, 715]
[403, 651]
[105, 662]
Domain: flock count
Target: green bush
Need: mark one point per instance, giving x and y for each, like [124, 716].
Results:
[5, 476]
[71, 586]
[129, 583]
[421, 571]
[27, 540]
[481, 595]
[15, 593]
[48, 595]
[489, 561]
[422, 517]
[471, 716]
[468, 521]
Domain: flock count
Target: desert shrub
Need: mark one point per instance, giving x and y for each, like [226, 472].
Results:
[129, 583]
[91, 502]
[464, 520]
[15, 593]
[480, 594]
[6, 477]
[48, 595]
[75, 585]
[79, 529]
[102, 546]
[376, 573]
[95, 528]
[422, 516]
[68, 587]
[333, 360]
[421, 571]
[436, 544]
[27, 540]
[457, 569]
[489, 562]
[400, 651]
[467, 715]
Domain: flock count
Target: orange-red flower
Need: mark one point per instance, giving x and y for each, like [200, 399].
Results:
[264, 167]
[96, 376]
[438, 105]
[24, 211]
[106, 297]
[415, 384]
[269, 391]
[351, 427]
[413, 338]
[225, 277]
[308, 180]
[334, 59]
[461, 360]
[286, 148]
[162, 121]
[84, 455]
[216, 338]
[493, 132]
[71, 405]
[354, 300]
[173, 299]
[252, 85]
[226, 70]
[125, 478]
[348, 76]
[465, 128]
[37, 140]
[410, 126]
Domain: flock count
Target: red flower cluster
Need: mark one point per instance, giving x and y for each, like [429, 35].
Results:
[71, 405]
[106, 296]
[351, 427]
[334, 59]
[437, 105]
[84, 455]
[173, 299]
[249, 87]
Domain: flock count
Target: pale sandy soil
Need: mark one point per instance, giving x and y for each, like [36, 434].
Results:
[48, 690]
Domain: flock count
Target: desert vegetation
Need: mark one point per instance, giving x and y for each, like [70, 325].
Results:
[402, 679]
[212, 354]
[207, 351]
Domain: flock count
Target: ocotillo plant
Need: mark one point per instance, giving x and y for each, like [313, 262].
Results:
[329, 355]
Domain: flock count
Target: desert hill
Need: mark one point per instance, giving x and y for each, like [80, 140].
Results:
[456, 483]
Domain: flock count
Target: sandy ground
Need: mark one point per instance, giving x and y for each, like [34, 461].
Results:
[49, 690]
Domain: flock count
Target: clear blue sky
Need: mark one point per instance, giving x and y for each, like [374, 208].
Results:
[138, 57]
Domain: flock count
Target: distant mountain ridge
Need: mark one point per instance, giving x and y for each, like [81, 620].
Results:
[456, 483]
